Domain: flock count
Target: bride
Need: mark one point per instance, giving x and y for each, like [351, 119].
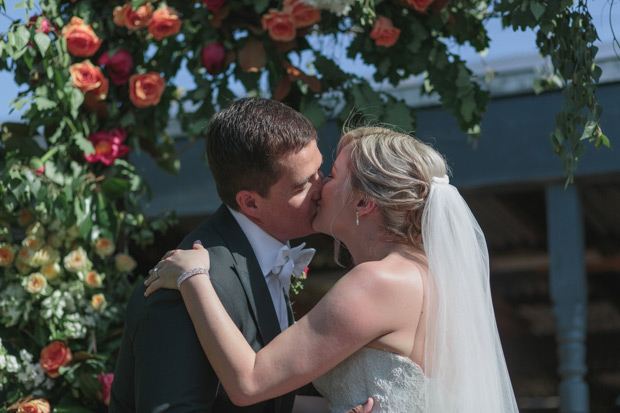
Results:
[411, 325]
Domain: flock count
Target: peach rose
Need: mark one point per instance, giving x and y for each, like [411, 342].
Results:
[51, 271]
[35, 406]
[302, 14]
[77, 261]
[124, 262]
[93, 279]
[35, 283]
[146, 89]
[420, 5]
[137, 19]
[33, 242]
[54, 356]
[280, 26]
[89, 78]
[384, 33]
[25, 255]
[98, 302]
[81, 38]
[165, 22]
[104, 247]
[7, 254]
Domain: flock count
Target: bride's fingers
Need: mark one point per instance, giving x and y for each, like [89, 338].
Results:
[152, 287]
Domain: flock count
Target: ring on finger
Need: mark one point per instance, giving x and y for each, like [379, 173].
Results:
[155, 273]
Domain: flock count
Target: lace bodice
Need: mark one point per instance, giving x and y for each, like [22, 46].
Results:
[396, 383]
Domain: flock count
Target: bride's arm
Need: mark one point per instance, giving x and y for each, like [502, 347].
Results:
[353, 313]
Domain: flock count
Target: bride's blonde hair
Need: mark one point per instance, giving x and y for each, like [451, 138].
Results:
[395, 170]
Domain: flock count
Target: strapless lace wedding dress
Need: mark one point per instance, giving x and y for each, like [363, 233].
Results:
[396, 383]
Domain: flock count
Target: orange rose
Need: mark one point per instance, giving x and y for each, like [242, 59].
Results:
[89, 78]
[146, 89]
[54, 356]
[280, 26]
[165, 22]
[139, 18]
[420, 5]
[384, 33]
[35, 406]
[302, 14]
[81, 38]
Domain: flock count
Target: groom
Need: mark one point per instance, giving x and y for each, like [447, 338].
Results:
[265, 162]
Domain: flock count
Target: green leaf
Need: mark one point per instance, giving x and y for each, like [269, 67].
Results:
[84, 144]
[537, 10]
[77, 98]
[44, 103]
[114, 188]
[22, 37]
[21, 5]
[42, 41]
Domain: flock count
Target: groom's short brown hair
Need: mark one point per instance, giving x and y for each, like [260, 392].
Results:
[245, 142]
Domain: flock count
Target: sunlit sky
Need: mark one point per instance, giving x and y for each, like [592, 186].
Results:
[505, 44]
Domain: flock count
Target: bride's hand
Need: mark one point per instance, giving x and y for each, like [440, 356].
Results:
[174, 264]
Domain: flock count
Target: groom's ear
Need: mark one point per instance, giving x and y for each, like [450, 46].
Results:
[247, 203]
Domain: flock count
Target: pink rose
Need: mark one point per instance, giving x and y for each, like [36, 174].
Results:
[214, 5]
[213, 56]
[106, 384]
[44, 25]
[108, 146]
[119, 65]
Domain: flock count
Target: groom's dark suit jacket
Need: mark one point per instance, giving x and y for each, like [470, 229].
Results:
[161, 365]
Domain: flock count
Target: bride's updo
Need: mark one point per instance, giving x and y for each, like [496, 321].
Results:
[395, 170]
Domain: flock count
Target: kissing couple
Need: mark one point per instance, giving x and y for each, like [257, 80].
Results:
[410, 328]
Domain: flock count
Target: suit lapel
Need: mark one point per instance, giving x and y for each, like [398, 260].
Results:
[249, 273]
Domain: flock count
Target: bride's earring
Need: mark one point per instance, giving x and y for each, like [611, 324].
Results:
[357, 218]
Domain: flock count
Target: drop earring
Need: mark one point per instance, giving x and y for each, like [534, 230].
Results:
[357, 218]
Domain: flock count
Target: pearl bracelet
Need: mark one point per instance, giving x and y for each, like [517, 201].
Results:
[191, 273]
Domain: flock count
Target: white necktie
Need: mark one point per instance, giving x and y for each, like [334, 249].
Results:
[289, 261]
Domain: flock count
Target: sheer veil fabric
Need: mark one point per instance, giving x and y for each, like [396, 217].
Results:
[464, 359]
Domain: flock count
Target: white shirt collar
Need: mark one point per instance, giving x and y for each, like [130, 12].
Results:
[265, 246]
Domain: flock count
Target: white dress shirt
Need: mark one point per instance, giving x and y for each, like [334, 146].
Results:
[266, 249]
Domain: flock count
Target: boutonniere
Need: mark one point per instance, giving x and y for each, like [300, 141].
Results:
[297, 281]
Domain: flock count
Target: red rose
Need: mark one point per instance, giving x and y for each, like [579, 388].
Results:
[139, 18]
[106, 384]
[108, 146]
[280, 26]
[146, 89]
[81, 38]
[54, 356]
[302, 14]
[214, 5]
[384, 33]
[89, 78]
[119, 65]
[420, 5]
[164, 23]
[213, 56]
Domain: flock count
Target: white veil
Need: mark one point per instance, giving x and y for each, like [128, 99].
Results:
[464, 359]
